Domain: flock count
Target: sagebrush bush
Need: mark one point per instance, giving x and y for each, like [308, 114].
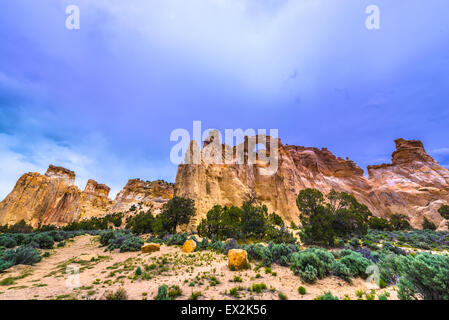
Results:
[177, 239]
[425, 276]
[356, 263]
[131, 244]
[7, 241]
[43, 241]
[320, 259]
[217, 246]
[260, 253]
[341, 270]
[22, 255]
[309, 275]
[281, 253]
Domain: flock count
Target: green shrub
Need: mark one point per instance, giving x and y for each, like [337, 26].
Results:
[282, 296]
[141, 223]
[43, 240]
[400, 222]
[5, 264]
[195, 295]
[217, 246]
[258, 287]
[233, 292]
[162, 293]
[22, 255]
[7, 241]
[444, 211]
[120, 294]
[424, 276]
[327, 296]
[174, 292]
[131, 244]
[309, 274]
[341, 270]
[428, 225]
[138, 271]
[301, 290]
[107, 236]
[356, 263]
[177, 239]
[310, 262]
[384, 296]
[389, 266]
[281, 253]
[260, 253]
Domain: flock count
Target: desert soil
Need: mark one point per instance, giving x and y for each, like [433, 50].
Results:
[101, 271]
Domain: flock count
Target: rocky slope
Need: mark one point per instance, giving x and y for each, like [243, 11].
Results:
[53, 198]
[413, 184]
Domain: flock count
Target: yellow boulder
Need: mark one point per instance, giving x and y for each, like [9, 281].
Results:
[151, 247]
[238, 259]
[189, 246]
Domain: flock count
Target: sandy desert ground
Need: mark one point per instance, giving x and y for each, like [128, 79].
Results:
[207, 272]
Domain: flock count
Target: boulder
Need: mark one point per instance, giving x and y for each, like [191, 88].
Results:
[151, 247]
[238, 259]
[189, 246]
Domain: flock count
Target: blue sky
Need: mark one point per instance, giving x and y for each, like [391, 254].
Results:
[103, 100]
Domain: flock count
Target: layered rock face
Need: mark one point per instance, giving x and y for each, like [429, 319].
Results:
[413, 184]
[53, 198]
[40, 198]
[147, 194]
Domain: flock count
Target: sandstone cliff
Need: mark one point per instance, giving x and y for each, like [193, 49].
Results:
[53, 198]
[40, 198]
[413, 184]
[146, 194]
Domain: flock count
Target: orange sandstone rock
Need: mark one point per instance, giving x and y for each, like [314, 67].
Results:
[237, 259]
[151, 247]
[189, 246]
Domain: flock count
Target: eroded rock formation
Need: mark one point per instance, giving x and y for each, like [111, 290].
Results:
[147, 194]
[40, 198]
[413, 184]
[53, 198]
